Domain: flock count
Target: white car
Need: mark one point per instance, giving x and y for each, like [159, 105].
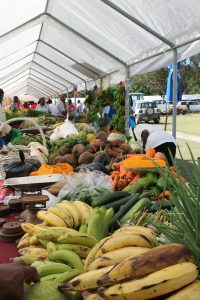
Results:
[146, 111]
[163, 106]
[194, 106]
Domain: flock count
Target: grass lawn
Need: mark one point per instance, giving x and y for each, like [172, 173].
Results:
[189, 123]
[195, 148]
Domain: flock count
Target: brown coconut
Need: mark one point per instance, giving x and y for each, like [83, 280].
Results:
[64, 150]
[85, 158]
[78, 149]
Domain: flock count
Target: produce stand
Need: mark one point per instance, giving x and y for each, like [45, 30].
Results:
[115, 210]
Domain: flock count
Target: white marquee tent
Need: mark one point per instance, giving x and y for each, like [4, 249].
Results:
[48, 46]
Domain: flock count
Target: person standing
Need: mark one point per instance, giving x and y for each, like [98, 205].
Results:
[71, 106]
[2, 112]
[61, 108]
[155, 137]
[42, 107]
[52, 109]
[16, 104]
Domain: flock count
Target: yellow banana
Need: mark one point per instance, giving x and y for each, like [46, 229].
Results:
[149, 233]
[115, 256]
[63, 214]
[92, 253]
[154, 285]
[51, 247]
[32, 254]
[139, 266]
[190, 292]
[85, 281]
[31, 229]
[50, 218]
[91, 296]
[34, 240]
[34, 251]
[125, 240]
[24, 241]
[73, 210]
[84, 211]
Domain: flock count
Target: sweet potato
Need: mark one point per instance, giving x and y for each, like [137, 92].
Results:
[125, 147]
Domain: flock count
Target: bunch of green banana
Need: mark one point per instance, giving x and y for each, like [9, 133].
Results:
[119, 106]
[148, 275]
[66, 214]
[99, 221]
[60, 266]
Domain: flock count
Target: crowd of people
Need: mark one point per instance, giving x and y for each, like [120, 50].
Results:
[61, 108]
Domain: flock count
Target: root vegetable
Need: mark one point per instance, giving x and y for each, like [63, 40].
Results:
[78, 150]
[85, 158]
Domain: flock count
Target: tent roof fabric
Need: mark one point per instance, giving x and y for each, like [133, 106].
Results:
[48, 46]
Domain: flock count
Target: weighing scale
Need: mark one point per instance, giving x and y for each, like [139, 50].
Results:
[31, 189]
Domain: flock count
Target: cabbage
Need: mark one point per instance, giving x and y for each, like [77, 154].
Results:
[135, 145]
[117, 136]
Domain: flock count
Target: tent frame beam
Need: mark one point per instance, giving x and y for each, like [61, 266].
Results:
[42, 84]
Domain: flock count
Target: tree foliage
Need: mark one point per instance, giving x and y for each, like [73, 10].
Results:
[154, 83]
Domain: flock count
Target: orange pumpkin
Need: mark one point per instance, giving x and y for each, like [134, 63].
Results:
[150, 152]
[159, 155]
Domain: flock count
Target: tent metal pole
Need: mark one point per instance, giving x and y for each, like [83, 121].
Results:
[127, 83]
[174, 94]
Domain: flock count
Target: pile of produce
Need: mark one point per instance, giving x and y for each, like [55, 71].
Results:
[87, 149]
[112, 271]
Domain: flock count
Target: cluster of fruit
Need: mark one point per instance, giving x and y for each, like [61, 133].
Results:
[146, 271]
[66, 214]
[61, 253]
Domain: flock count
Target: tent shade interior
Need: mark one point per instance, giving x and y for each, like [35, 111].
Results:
[52, 45]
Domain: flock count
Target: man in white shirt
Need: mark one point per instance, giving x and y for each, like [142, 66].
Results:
[151, 136]
[61, 108]
[52, 108]
[42, 107]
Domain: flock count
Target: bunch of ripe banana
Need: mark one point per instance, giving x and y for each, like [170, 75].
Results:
[66, 214]
[40, 240]
[127, 265]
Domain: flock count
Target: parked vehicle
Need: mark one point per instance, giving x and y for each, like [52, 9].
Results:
[194, 106]
[146, 111]
[163, 106]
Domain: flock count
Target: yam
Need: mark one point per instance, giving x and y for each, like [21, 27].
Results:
[78, 149]
[85, 158]
[64, 150]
